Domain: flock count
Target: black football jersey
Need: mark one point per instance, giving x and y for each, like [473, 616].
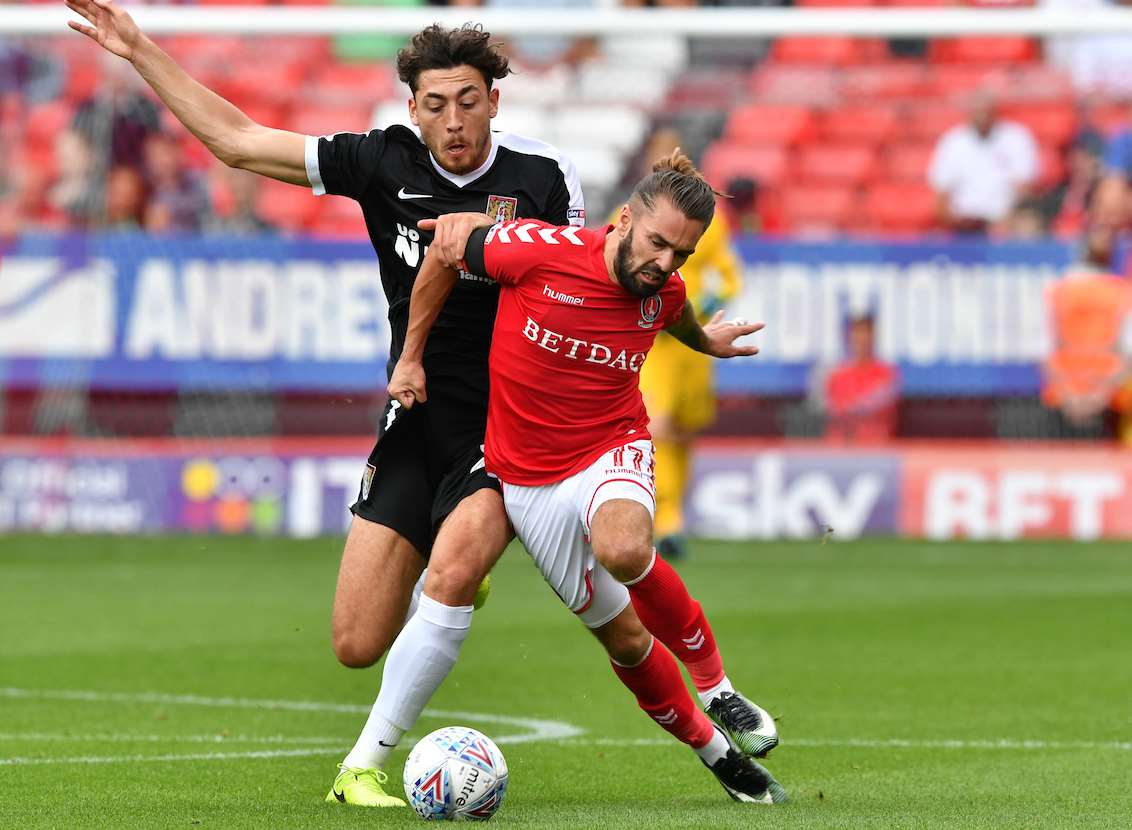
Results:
[396, 181]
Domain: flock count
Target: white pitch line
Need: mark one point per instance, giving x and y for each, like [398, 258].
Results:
[118, 737]
[538, 729]
[181, 700]
[877, 743]
[200, 756]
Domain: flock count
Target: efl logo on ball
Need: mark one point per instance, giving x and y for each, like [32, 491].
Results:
[455, 774]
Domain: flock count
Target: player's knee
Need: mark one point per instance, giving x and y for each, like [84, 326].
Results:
[453, 580]
[625, 557]
[628, 645]
[355, 651]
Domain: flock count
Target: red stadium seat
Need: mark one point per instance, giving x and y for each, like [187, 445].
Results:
[725, 161]
[863, 123]
[710, 89]
[885, 81]
[274, 85]
[83, 77]
[194, 153]
[953, 82]
[908, 162]
[316, 120]
[339, 217]
[825, 51]
[1053, 124]
[901, 207]
[929, 121]
[309, 52]
[1051, 166]
[770, 124]
[46, 122]
[1039, 83]
[996, 50]
[263, 112]
[818, 208]
[38, 161]
[289, 206]
[353, 84]
[850, 4]
[773, 83]
[844, 164]
[189, 49]
[998, 4]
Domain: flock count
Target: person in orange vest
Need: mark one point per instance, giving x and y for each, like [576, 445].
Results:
[1089, 363]
[861, 392]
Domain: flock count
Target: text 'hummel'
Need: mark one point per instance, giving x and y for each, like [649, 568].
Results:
[561, 296]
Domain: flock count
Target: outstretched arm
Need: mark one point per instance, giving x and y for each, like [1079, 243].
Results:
[434, 283]
[717, 338]
[228, 133]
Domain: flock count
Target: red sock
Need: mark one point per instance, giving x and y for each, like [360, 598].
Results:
[664, 605]
[661, 692]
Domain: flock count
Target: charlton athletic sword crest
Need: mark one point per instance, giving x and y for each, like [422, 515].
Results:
[502, 208]
[650, 310]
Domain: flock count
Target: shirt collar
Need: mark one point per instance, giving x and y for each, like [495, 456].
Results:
[467, 178]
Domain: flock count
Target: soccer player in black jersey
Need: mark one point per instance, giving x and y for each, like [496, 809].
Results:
[424, 494]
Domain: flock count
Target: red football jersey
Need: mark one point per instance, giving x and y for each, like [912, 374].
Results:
[566, 351]
[862, 402]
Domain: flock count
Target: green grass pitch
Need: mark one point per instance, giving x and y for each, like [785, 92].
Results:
[189, 683]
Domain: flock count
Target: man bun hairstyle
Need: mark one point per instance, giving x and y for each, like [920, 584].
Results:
[677, 179]
[436, 47]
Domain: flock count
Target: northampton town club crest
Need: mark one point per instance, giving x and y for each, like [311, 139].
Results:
[502, 208]
[650, 310]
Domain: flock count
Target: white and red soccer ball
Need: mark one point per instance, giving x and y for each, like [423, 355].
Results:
[455, 774]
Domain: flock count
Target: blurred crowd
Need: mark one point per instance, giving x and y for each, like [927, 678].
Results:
[113, 159]
[115, 162]
[985, 173]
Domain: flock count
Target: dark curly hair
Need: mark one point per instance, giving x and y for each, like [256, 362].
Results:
[438, 48]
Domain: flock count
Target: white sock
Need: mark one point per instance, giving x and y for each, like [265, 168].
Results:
[707, 696]
[421, 657]
[415, 597]
[714, 749]
[377, 740]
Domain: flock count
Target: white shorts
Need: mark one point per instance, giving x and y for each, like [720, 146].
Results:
[553, 523]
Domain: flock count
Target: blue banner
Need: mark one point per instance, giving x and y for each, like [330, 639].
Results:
[958, 317]
[132, 311]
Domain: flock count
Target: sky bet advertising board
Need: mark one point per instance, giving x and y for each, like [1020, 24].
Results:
[138, 312]
[301, 488]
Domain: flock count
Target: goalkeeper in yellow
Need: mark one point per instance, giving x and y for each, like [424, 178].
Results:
[678, 383]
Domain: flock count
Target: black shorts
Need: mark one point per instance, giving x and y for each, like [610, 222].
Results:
[426, 461]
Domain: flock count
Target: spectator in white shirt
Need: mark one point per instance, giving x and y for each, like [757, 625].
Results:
[980, 169]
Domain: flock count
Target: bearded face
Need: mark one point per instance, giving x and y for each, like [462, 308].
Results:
[657, 240]
[638, 274]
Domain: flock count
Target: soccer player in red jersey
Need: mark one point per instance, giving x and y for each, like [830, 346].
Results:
[567, 436]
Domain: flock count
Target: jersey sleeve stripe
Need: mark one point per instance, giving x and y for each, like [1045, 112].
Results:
[314, 176]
